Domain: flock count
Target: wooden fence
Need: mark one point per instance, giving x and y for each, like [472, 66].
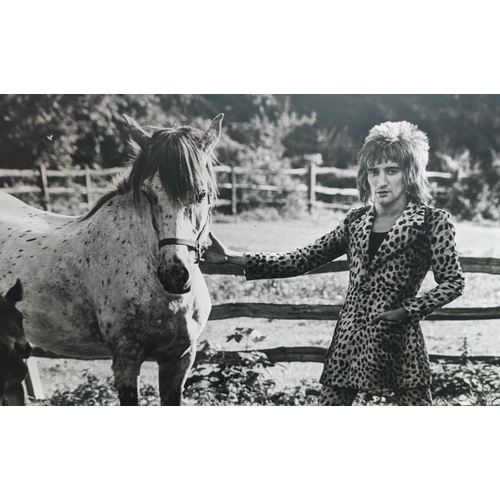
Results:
[263, 310]
[331, 313]
[42, 178]
[310, 184]
[231, 188]
[310, 312]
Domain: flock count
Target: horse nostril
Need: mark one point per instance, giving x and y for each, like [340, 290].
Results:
[175, 280]
[23, 348]
[185, 276]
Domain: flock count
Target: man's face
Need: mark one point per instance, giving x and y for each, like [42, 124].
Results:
[386, 183]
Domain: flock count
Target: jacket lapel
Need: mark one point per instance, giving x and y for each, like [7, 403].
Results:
[404, 232]
[360, 234]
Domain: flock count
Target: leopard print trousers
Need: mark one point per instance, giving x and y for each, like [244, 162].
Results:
[344, 396]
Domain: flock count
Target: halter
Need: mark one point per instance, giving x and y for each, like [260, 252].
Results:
[192, 244]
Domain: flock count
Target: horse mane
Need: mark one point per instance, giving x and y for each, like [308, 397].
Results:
[175, 154]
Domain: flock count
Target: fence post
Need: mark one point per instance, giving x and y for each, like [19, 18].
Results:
[311, 182]
[88, 187]
[32, 381]
[45, 188]
[234, 193]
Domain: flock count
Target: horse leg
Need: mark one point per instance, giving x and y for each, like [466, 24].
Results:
[15, 394]
[4, 372]
[126, 372]
[172, 375]
[13, 388]
[3, 399]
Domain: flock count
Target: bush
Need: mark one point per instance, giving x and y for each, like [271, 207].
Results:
[258, 145]
[475, 191]
[242, 380]
[467, 384]
[95, 392]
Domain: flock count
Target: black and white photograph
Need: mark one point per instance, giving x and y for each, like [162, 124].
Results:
[250, 249]
[280, 281]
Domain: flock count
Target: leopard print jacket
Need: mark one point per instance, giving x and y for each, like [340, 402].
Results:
[387, 354]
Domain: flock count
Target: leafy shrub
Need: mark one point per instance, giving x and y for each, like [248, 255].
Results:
[467, 384]
[241, 379]
[257, 145]
[94, 392]
[475, 190]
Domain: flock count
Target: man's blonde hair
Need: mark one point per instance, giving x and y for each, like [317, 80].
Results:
[404, 144]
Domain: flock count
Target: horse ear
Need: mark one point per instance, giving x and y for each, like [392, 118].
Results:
[136, 131]
[212, 135]
[15, 294]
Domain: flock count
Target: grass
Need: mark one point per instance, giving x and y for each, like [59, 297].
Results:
[246, 234]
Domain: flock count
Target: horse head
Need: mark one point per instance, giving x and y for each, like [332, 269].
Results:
[173, 171]
[12, 337]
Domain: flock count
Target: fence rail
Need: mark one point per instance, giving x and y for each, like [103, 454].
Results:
[330, 312]
[42, 176]
[311, 187]
[311, 354]
[303, 354]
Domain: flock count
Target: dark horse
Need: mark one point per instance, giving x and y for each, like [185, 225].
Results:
[123, 280]
[13, 348]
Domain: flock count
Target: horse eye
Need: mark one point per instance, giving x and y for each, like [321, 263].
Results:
[202, 196]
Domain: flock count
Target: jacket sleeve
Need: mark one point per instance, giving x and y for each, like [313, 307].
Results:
[445, 267]
[300, 261]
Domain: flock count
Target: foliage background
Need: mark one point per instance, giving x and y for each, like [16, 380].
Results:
[264, 131]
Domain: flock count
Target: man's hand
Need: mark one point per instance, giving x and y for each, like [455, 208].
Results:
[216, 253]
[400, 315]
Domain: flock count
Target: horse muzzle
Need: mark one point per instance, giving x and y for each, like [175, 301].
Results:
[175, 280]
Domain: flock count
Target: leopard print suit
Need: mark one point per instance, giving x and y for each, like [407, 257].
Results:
[387, 354]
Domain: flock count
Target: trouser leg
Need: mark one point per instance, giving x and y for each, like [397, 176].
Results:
[336, 396]
[414, 396]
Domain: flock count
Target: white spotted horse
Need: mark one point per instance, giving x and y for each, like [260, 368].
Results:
[123, 280]
[13, 348]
